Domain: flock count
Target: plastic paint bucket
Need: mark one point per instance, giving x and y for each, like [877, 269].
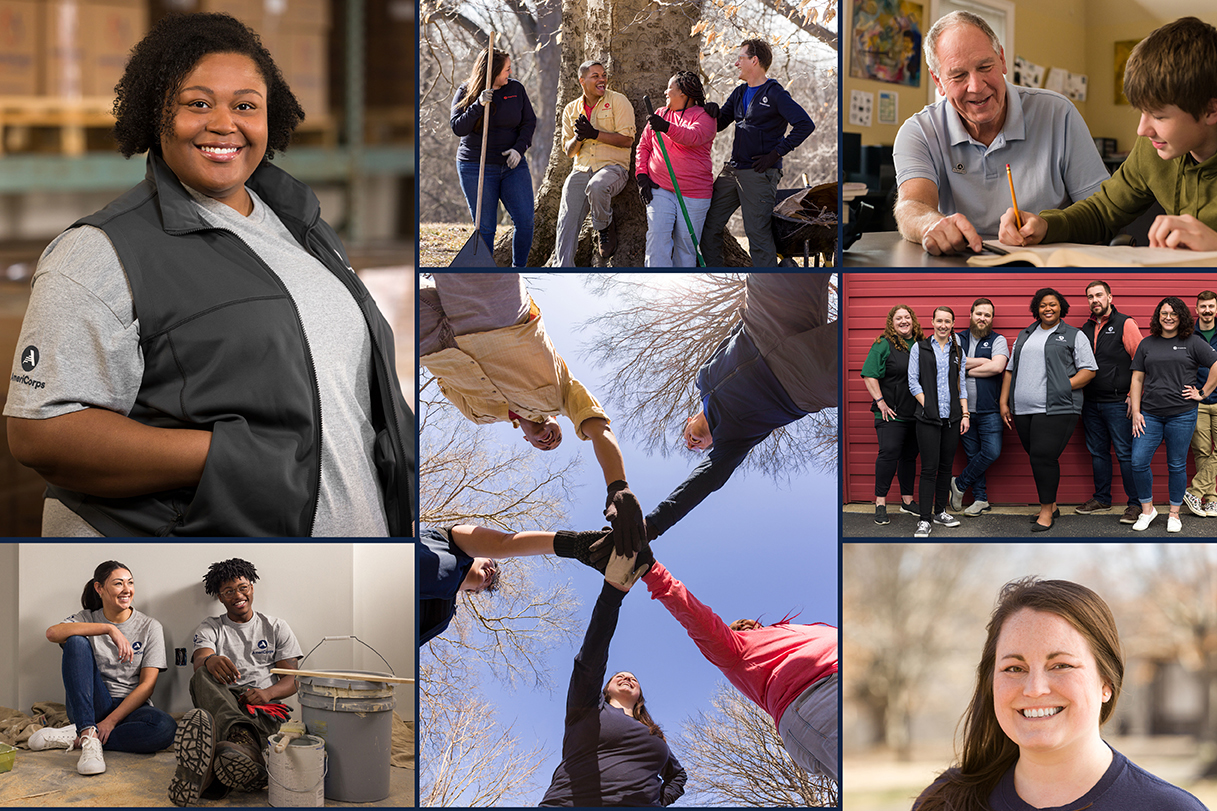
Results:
[297, 774]
[355, 718]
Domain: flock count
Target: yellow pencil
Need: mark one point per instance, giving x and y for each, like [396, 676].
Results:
[1017, 219]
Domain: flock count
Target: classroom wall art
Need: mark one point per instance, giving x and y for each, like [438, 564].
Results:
[886, 41]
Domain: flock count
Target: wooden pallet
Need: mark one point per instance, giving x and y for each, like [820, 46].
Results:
[23, 119]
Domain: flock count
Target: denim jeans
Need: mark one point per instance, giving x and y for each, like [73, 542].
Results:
[668, 243]
[514, 188]
[1105, 425]
[1176, 431]
[145, 729]
[982, 445]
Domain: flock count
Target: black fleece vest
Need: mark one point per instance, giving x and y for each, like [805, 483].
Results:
[225, 350]
[927, 368]
[894, 385]
[988, 389]
[1114, 378]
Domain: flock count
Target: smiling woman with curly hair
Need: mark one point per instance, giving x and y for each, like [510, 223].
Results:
[183, 342]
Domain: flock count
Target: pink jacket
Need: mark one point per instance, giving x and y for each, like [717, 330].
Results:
[688, 142]
[772, 666]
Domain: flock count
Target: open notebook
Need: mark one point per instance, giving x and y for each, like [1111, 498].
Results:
[1072, 254]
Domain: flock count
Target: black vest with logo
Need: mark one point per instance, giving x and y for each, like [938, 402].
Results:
[1060, 365]
[1112, 381]
[224, 350]
[894, 385]
[988, 389]
[927, 373]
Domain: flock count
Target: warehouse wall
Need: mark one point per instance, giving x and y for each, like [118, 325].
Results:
[867, 298]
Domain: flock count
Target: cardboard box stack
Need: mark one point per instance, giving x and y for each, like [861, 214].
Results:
[84, 44]
[19, 47]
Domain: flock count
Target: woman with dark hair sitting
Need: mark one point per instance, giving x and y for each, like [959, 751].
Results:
[688, 134]
[1041, 394]
[1164, 398]
[1049, 677]
[112, 655]
[613, 752]
[506, 175]
[193, 332]
[885, 374]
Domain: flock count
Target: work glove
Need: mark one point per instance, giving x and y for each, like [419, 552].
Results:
[625, 570]
[585, 130]
[623, 511]
[711, 109]
[646, 188]
[279, 712]
[589, 548]
[763, 163]
[513, 158]
[486, 96]
[658, 122]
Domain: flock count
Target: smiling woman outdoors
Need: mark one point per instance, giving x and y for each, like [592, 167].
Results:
[192, 332]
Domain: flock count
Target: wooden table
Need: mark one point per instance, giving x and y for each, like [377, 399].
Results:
[887, 249]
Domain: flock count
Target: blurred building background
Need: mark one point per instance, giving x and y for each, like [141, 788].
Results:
[913, 625]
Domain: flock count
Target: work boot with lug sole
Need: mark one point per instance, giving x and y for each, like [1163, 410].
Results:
[608, 241]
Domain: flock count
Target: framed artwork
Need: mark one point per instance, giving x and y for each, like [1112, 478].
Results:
[885, 43]
[1123, 49]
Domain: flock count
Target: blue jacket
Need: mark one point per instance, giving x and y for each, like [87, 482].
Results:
[512, 122]
[744, 403]
[762, 127]
[442, 566]
[1202, 375]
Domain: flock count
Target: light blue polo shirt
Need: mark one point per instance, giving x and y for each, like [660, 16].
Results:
[1045, 141]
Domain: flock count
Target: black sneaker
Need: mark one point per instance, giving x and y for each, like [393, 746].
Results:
[881, 514]
[911, 508]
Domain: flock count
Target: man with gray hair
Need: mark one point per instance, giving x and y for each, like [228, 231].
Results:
[597, 131]
[951, 157]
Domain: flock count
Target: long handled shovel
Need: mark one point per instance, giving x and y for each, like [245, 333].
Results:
[475, 253]
[701, 263]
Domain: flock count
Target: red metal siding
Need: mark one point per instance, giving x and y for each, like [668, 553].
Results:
[866, 299]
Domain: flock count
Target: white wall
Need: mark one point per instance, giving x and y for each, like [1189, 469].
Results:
[320, 589]
[8, 625]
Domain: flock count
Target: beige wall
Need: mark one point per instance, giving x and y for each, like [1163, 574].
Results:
[1077, 35]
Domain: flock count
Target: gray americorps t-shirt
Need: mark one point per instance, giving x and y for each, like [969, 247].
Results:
[147, 641]
[253, 646]
[93, 358]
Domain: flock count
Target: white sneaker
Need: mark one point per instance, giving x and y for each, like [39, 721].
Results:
[53, 738]
[956, 496]
[1194, 505]
[1173, 524]
[1144, 519]
[946, 519]
[923, 530]
[1210, 509]
[976, 508]
[91, 761]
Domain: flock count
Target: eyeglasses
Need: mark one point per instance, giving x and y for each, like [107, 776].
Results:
[244, 589]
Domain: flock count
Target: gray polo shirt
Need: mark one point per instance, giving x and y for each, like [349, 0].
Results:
[147, 642]
[253, 646]
[1045, 141]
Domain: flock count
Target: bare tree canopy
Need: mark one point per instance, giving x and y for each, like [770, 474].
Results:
[735, 757]
[655, 340]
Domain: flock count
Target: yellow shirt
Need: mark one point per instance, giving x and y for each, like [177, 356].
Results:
[613, 113]
[514, 369]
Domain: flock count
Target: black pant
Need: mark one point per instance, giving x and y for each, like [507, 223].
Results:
[1044, 437]
[937, 443]
[897, 456]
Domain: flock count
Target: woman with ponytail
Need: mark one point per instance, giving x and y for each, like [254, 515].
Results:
[112, 654]
[688, 134]
[1049, 677]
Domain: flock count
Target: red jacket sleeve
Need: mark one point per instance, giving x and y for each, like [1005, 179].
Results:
[718, 643]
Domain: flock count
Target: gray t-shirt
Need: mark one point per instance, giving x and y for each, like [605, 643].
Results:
[147, 641]
[1030, 384]
[93, 359]
[253, 646]
[999, 348]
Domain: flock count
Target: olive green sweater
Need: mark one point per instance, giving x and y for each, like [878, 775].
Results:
[1181, 185]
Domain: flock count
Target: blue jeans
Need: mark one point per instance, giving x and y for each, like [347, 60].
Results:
[145, 729]
[1177, 432]
[514, 188]
[1105, 425]
[668, 243]
[982, 445]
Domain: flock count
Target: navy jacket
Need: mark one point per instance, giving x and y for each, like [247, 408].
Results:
[224, 350]
[1202, 375]
[608, 757]
[744, 403]
[762, 127]
[442, 566]
[512, 122]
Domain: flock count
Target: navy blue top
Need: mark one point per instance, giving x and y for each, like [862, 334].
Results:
[760, 127]
[1202, 373]
[512, 122]
[743, 402]
[442, 566]
[608, 758]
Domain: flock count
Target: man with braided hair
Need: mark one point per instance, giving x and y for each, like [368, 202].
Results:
[465, 558]
[235, 694]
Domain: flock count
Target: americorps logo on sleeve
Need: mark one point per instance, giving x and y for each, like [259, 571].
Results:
[29, 358]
